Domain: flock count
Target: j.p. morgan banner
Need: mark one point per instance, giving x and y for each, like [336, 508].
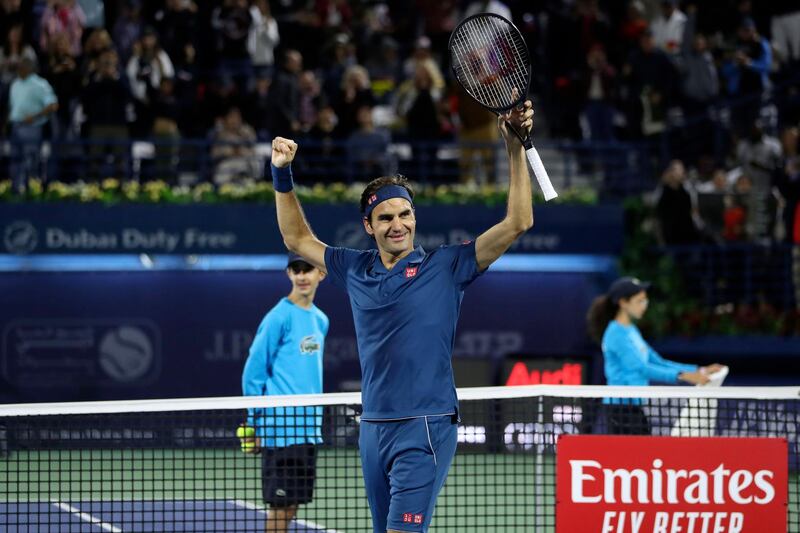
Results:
[616, 484]
[252, 229]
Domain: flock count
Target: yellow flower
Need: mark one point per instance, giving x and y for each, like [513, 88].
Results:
[110, 183]
[35, 186]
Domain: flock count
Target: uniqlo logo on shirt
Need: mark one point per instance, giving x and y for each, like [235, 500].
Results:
[372, 199]
[411, 518]
[411, 272]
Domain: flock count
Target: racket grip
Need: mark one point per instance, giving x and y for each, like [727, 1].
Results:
[540, 173]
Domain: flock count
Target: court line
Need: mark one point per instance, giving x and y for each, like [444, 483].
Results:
[86, 517]
[261, 509]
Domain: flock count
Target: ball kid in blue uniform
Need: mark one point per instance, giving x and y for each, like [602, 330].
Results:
[405, 303]
[286, 358]
[628, 359]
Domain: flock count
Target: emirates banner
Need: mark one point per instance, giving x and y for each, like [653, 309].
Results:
[632, 484]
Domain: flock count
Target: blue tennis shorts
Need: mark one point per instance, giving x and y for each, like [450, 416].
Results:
[405, 463]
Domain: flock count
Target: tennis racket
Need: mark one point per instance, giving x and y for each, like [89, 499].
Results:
[490, 60]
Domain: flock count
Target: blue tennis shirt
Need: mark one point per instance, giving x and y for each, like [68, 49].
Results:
[286, 358]
[405, 320]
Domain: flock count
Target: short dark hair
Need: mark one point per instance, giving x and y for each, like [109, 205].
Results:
[377, 183]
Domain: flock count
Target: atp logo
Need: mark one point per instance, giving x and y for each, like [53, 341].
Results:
[309, 345]
[126, 353]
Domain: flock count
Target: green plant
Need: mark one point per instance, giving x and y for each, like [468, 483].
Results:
[111, 191]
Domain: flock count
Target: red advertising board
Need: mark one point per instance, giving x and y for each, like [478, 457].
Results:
[632, 484]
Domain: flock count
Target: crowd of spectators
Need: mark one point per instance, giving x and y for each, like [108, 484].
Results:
[350, 77]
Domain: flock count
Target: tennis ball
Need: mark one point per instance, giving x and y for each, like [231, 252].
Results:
[247, 436]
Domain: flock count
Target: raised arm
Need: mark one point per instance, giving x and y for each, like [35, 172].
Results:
[493, 243]
[296, 233]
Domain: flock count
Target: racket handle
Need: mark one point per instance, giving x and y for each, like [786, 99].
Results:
[540, 173]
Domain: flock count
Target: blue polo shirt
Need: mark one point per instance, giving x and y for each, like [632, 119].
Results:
[286, 358]
[405, 320]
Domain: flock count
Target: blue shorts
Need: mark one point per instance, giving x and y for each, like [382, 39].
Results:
[405, 463]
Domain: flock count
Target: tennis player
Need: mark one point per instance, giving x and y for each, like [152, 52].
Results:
[628, 359]
[405, 303]
[286, 358]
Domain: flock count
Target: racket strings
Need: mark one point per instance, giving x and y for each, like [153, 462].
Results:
[491, 60]
[500, 38]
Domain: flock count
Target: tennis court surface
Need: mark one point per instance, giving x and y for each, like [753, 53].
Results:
[177, 465]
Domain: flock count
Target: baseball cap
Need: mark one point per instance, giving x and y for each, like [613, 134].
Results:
[294, 258]
[626, 287]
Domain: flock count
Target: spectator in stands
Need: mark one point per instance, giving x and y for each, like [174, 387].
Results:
[234, 149]
[340, 55]
[487, 6]
[477, 137]
[418, 105]
[436, 19]
[177, 26]
[650, 77]
[332, 15]
[699, 88]
[106, 103]
[232, 22]
[676, 207]
[632, 28]
[759, 155]
[787, 179]
[13, 49]
[31, 102]
[735, 214]
[97, 43]
[599, 86]
[148, 65]
[355, 93]
[311, 100]
[10, 14]
[712, 197]
[284, 97]
[385, 69]
[63, 74]
[788, 182]
[785, 30]
[745, 71]
[263, 39]
[367, 147]
[668, 27]
[322, 156]
[187, 92]
[166, 135]
[257, 106]
[62, 16]
[422, 56]
[128, 28]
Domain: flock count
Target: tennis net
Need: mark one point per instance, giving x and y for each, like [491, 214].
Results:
[178, 465]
